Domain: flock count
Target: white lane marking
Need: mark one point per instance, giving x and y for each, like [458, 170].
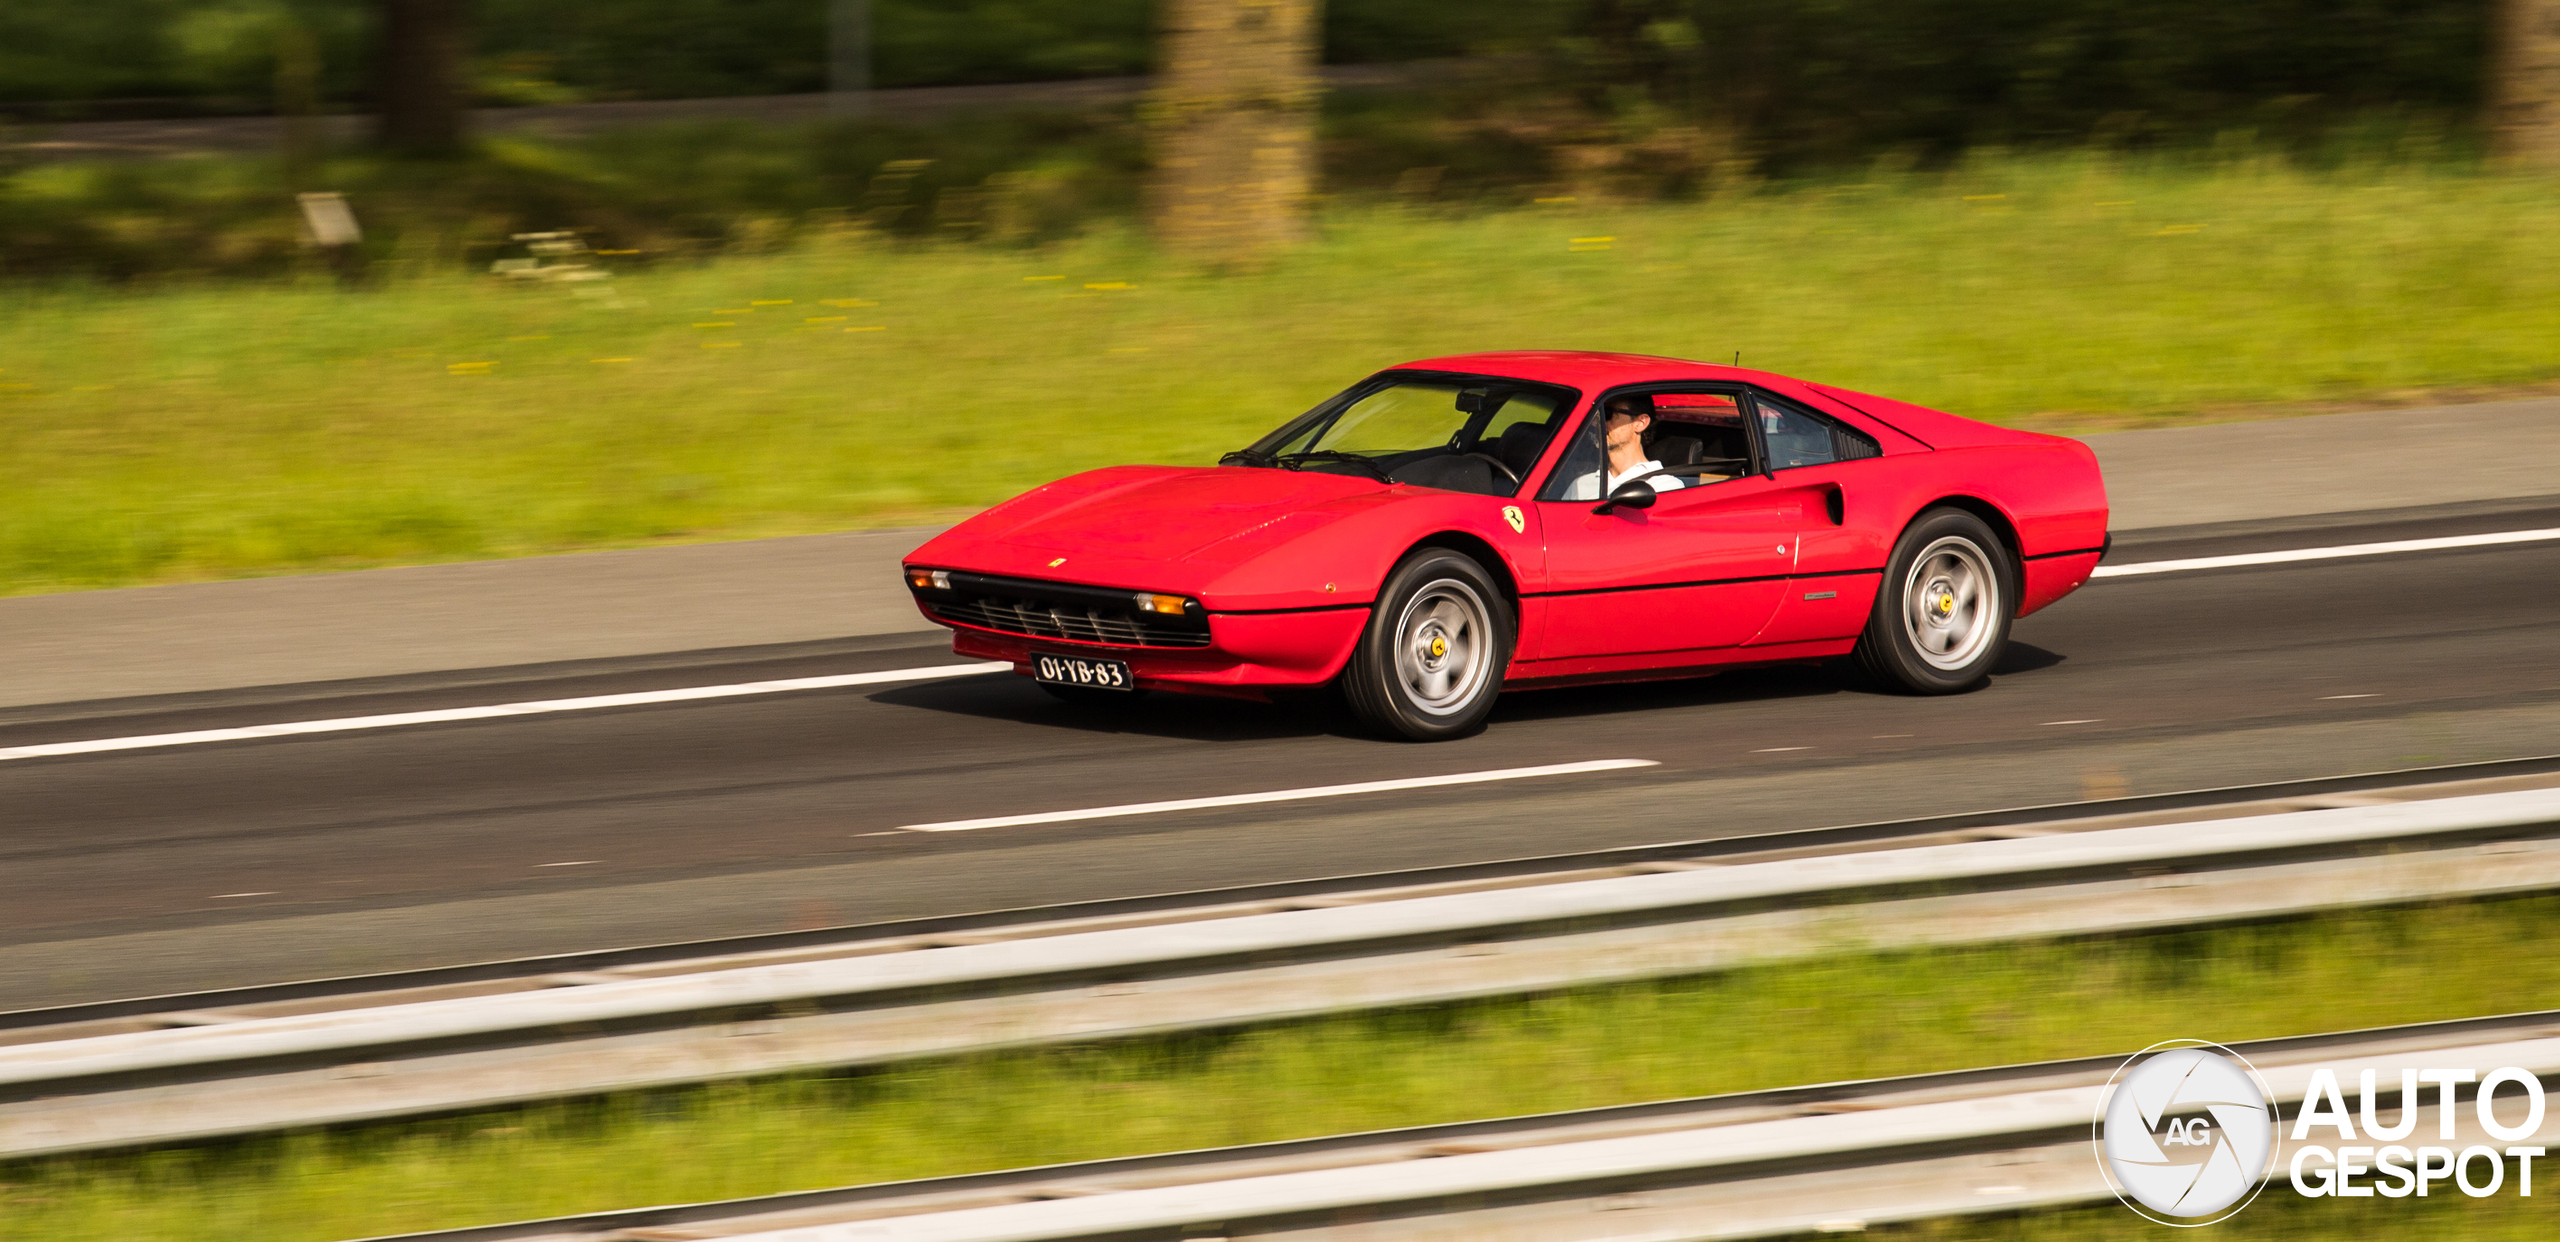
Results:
[2323, 554]
[1772, 750]
[228, 896]
[2092, 720]
[2326, 697]
[583, 862]
[1280, 795]
[498, 710]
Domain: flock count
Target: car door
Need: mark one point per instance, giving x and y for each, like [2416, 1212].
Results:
[1841, 553]
[1705, 567]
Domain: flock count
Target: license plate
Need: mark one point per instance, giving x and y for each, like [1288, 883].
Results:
[1074, 671]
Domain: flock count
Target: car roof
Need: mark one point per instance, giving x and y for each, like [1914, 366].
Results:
[1590, 368]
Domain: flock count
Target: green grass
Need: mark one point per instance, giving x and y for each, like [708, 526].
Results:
[1813, 1021]
[188, 432]
[2277, 1214]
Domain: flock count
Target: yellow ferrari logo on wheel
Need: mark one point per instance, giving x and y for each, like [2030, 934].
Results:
[1439, 646]
[1519, 521]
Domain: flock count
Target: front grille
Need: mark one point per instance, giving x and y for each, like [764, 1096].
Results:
[1075, 622]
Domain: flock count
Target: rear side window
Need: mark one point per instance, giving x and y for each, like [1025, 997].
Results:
[1796, 436]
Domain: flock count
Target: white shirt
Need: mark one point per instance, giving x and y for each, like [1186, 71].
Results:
[1587, 487]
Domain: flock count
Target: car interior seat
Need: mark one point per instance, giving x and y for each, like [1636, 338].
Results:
[1676, 450]
[1518, 446]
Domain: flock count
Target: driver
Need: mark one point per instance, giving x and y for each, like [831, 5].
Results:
[1628, 416]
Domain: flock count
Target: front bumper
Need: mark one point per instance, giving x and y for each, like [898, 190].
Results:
[1248, 653]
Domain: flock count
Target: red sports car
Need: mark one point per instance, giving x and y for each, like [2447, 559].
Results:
[1450, 527]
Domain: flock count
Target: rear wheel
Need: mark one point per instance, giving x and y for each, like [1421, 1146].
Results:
[1431, 661]
[1942, 617]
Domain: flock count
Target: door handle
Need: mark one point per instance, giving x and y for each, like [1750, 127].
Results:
[1835, 503]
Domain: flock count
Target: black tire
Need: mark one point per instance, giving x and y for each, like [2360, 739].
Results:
[1942, 616]
[1438, 642]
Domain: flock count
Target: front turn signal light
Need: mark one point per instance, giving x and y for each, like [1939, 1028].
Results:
[1170, 605]
[929, 579]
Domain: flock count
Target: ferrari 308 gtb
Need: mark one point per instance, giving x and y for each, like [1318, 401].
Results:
[1451, 527]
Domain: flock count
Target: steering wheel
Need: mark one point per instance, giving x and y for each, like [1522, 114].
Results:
[1498, 464]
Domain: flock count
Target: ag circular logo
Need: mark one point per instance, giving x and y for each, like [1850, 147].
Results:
[2186, 1135]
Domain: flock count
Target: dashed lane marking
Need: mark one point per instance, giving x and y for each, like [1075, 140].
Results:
[2323, 554]
[500, 710]
[1279, 795]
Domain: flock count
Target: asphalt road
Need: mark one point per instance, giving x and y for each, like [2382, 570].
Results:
[215, 865]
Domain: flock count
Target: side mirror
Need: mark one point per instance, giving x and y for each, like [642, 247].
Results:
[1632, 494]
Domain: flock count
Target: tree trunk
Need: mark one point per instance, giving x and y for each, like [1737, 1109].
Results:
[426, 51]
[849, 58]
[1232, 124]
[298, 101]
[2524, 83]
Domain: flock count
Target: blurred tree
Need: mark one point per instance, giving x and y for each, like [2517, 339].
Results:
[2524, 87]
[421, 83]
[246, 49]
[1231, 126]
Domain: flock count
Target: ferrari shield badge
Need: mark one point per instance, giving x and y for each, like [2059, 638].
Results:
[1518, 520]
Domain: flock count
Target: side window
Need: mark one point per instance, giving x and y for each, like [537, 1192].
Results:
[1796, 436]
[1698, 436]
[1683, 439]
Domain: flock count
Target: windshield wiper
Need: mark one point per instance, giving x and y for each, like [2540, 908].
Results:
[1249, 457]
[1361, 460]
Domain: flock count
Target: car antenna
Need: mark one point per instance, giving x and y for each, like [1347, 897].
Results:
[1737, 357]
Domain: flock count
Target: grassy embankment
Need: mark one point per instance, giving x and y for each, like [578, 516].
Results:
[1812, 1021]
[207, 431]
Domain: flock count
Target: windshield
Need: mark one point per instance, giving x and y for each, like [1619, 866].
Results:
[1457, 432]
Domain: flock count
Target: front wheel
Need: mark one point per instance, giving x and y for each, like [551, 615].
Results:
[1942, 617]
[1431, 661]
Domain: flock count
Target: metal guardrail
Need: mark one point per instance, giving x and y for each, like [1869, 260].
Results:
[1836, 1156]
[225, 1076]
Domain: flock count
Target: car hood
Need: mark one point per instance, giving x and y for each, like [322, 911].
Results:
[1151, 527]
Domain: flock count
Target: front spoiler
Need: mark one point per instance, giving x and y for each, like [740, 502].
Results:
[1248, 654]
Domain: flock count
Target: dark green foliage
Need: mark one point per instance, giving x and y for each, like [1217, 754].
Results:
[544, 50]
[668, 190]
[1800, 79]
[181, 55]
[1798, 74]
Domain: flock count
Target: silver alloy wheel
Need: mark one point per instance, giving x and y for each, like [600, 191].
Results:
[1951, 603]
[1441, 647]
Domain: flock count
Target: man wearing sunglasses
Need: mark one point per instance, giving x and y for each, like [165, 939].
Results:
[1624, 422]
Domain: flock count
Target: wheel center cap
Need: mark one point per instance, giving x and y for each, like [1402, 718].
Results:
[1439, 647]
[1946, 604]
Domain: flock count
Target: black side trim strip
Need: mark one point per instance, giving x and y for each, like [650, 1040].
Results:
[1670, 586]
[1278, 612]
[2046, 556]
